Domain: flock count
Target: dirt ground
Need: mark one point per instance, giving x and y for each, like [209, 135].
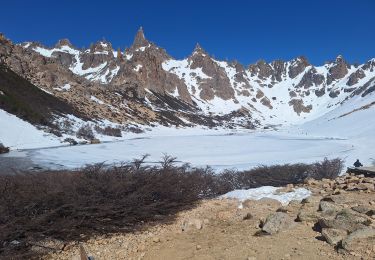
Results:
[228, 229]
[217, 230]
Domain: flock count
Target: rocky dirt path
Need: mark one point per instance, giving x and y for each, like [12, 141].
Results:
[336, 222]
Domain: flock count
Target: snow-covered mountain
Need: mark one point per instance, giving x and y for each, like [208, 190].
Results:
[143, 85]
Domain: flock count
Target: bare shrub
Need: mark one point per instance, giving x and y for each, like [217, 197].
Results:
[75, 205]
[326, 169]
[108, 130]
[85, 132]
[3, 149]
[71, 141]
[66, 126]
[134, 129]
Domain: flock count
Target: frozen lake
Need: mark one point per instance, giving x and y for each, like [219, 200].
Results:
[220, 151]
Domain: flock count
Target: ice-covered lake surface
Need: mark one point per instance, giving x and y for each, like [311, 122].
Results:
[218, 149]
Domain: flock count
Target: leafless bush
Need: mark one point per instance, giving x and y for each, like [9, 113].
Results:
[108, 130]
[326, 169]
[134, 129]
[66, 126]
[85, 132]
[3, 149]
[71, 141]
[100, 200]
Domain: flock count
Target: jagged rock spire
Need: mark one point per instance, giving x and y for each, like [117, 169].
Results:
[198, 49]
[64, 42]
[340, 59]
[102, 45]
[140, 39]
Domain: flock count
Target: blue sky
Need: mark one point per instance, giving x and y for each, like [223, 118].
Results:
[243, 30]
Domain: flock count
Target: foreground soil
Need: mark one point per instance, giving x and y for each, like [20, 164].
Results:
[219, 229]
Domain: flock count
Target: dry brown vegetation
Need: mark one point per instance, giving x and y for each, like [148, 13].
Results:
[76, 205]
[3, 149]
[108, 130]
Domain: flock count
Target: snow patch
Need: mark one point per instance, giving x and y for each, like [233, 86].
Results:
[66, 87]
[268, 192]
[97, 100]
[138, 67]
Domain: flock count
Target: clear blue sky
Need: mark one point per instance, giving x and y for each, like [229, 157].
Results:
[242, 30]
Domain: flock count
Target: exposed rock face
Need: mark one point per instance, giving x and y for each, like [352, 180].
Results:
[310, 79]
[298, 66]
[64, 42]
[144, 84]
[218, 82]
[299, 107]
[261, 69]
[99, 53]
[338, 70]
[355, 77]
[140, 40]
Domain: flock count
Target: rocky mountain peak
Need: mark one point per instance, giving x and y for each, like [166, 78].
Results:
[297, 66]
[338, 70]
[261, 68]
[140, 39]
[340, 59]
[199, 50]
[64, 42]
[101, 46]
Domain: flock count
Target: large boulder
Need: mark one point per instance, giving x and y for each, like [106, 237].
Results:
[327, 206]
[346, 220]
[277, 222]
[361, 239]
[308, 215]
[333, 236]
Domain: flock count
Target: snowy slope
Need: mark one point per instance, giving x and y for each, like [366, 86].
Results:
[16, 133]
[353, 121]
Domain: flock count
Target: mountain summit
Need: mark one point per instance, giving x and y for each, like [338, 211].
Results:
[146, 86]
[140, 39]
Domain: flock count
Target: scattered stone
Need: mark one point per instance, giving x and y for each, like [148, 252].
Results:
[361, 209]
[277, 222]
[156, 239]
[198, 247]
[361, 239]
[307, 216]
[346, 220]
[328, 206]
[192, 223]
[365, 186]
[333, 236]
[248, 216]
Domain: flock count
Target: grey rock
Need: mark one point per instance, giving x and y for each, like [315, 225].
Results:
[328, 206]
[346, 220]
[333, 236]
[360, 238]
[277, 222]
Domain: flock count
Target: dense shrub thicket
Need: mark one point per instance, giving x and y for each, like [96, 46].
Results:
[97, 199]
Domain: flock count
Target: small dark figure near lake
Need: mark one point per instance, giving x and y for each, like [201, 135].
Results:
[358, 164]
